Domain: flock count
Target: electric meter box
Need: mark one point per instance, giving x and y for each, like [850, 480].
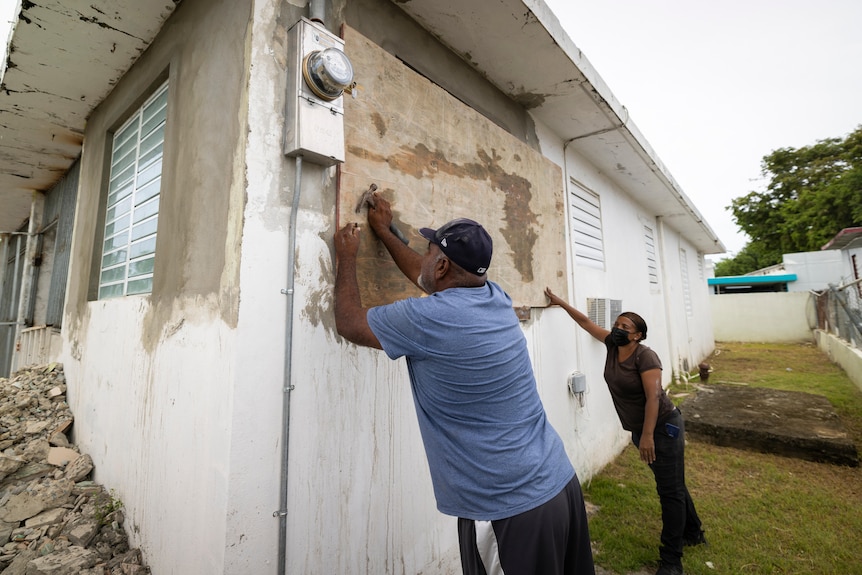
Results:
[314, 126]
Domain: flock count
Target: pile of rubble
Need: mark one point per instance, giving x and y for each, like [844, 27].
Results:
[52, 519]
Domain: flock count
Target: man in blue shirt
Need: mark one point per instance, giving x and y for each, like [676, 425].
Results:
[496, 463]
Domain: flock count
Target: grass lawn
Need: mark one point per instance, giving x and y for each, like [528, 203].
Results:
[763, 514]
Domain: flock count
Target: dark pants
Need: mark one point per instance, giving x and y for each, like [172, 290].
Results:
[678, 515]
[552, 539]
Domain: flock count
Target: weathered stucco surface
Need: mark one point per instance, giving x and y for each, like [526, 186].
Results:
[167, 357]
[436, 159]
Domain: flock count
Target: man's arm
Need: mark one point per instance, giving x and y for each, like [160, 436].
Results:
[351, 319]
[407, 260]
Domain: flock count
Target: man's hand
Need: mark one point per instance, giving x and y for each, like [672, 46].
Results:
[379, 214]
[351, 320]
[347, 241]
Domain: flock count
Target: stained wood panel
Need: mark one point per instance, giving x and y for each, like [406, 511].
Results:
[437, 159]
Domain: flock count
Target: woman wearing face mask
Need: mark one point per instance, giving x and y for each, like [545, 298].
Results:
[633, 375]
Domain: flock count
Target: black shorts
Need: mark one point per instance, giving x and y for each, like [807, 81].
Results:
[552, 539]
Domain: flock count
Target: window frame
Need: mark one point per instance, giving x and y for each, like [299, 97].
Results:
[686, 282]
[585, 225]
[133, 191]
[651, 255]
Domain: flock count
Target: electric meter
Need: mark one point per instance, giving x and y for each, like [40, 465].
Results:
[318, 73]
[327, 72]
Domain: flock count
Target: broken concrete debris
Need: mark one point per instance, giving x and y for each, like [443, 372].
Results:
[52, 519]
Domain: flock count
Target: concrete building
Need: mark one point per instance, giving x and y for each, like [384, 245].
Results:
[168, 194]
[797, 272]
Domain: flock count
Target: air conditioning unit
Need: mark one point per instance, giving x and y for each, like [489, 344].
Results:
[604, 312]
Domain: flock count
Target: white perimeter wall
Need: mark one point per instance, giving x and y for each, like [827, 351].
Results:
[842, 353]
[762, 317]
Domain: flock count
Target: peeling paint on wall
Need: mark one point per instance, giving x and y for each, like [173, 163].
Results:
[445, 160]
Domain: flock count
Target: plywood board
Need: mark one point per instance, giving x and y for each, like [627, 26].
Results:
[437, 159]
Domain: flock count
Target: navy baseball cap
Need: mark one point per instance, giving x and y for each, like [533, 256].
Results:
[463, 241]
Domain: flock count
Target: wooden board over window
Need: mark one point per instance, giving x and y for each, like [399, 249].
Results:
[436, 159]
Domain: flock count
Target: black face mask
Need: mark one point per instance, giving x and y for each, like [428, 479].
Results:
[619, 337]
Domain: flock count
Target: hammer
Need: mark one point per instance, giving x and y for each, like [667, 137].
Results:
[368, 198]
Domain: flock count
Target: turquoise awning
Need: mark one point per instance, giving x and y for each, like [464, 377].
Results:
[750, 280]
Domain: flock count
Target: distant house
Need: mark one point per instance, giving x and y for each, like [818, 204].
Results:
[798, 272]
[849, 242]
[821, 289]
[170, 185]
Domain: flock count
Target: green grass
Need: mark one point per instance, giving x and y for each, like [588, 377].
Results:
[763, 514]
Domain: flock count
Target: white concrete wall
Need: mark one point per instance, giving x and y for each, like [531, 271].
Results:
[763, 317]
[689, 327]
[814, 270]
[840, 352]
[157, 426]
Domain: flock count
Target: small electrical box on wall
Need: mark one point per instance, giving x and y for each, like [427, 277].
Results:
[318, 74]
[577, 382]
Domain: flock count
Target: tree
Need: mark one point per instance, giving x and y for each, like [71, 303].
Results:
[813, 193]
[748, 259]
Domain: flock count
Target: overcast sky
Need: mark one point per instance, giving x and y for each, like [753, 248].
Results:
[715, 86]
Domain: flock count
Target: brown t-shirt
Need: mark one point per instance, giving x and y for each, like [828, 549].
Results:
[626, 387]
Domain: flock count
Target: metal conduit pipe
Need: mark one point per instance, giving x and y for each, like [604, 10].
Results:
[317, 10]
[569, 243]
[287, 385]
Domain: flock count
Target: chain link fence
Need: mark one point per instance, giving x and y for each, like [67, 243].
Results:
[839, 311]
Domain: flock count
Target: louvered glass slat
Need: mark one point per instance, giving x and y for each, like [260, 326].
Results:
[138, 249]
[151, 190]
[145, 228]
[141, 267]
[119, 210]
[149, 173]
[146, 210]
[117, 226]
[140, 286]
[109, 291]
[113, 274]
[114, 258]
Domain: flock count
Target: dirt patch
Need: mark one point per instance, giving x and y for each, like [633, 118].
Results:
[789, 423]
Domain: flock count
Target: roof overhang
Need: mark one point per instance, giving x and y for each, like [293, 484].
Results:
[846, 239]
[65, 57]
[550, 76]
